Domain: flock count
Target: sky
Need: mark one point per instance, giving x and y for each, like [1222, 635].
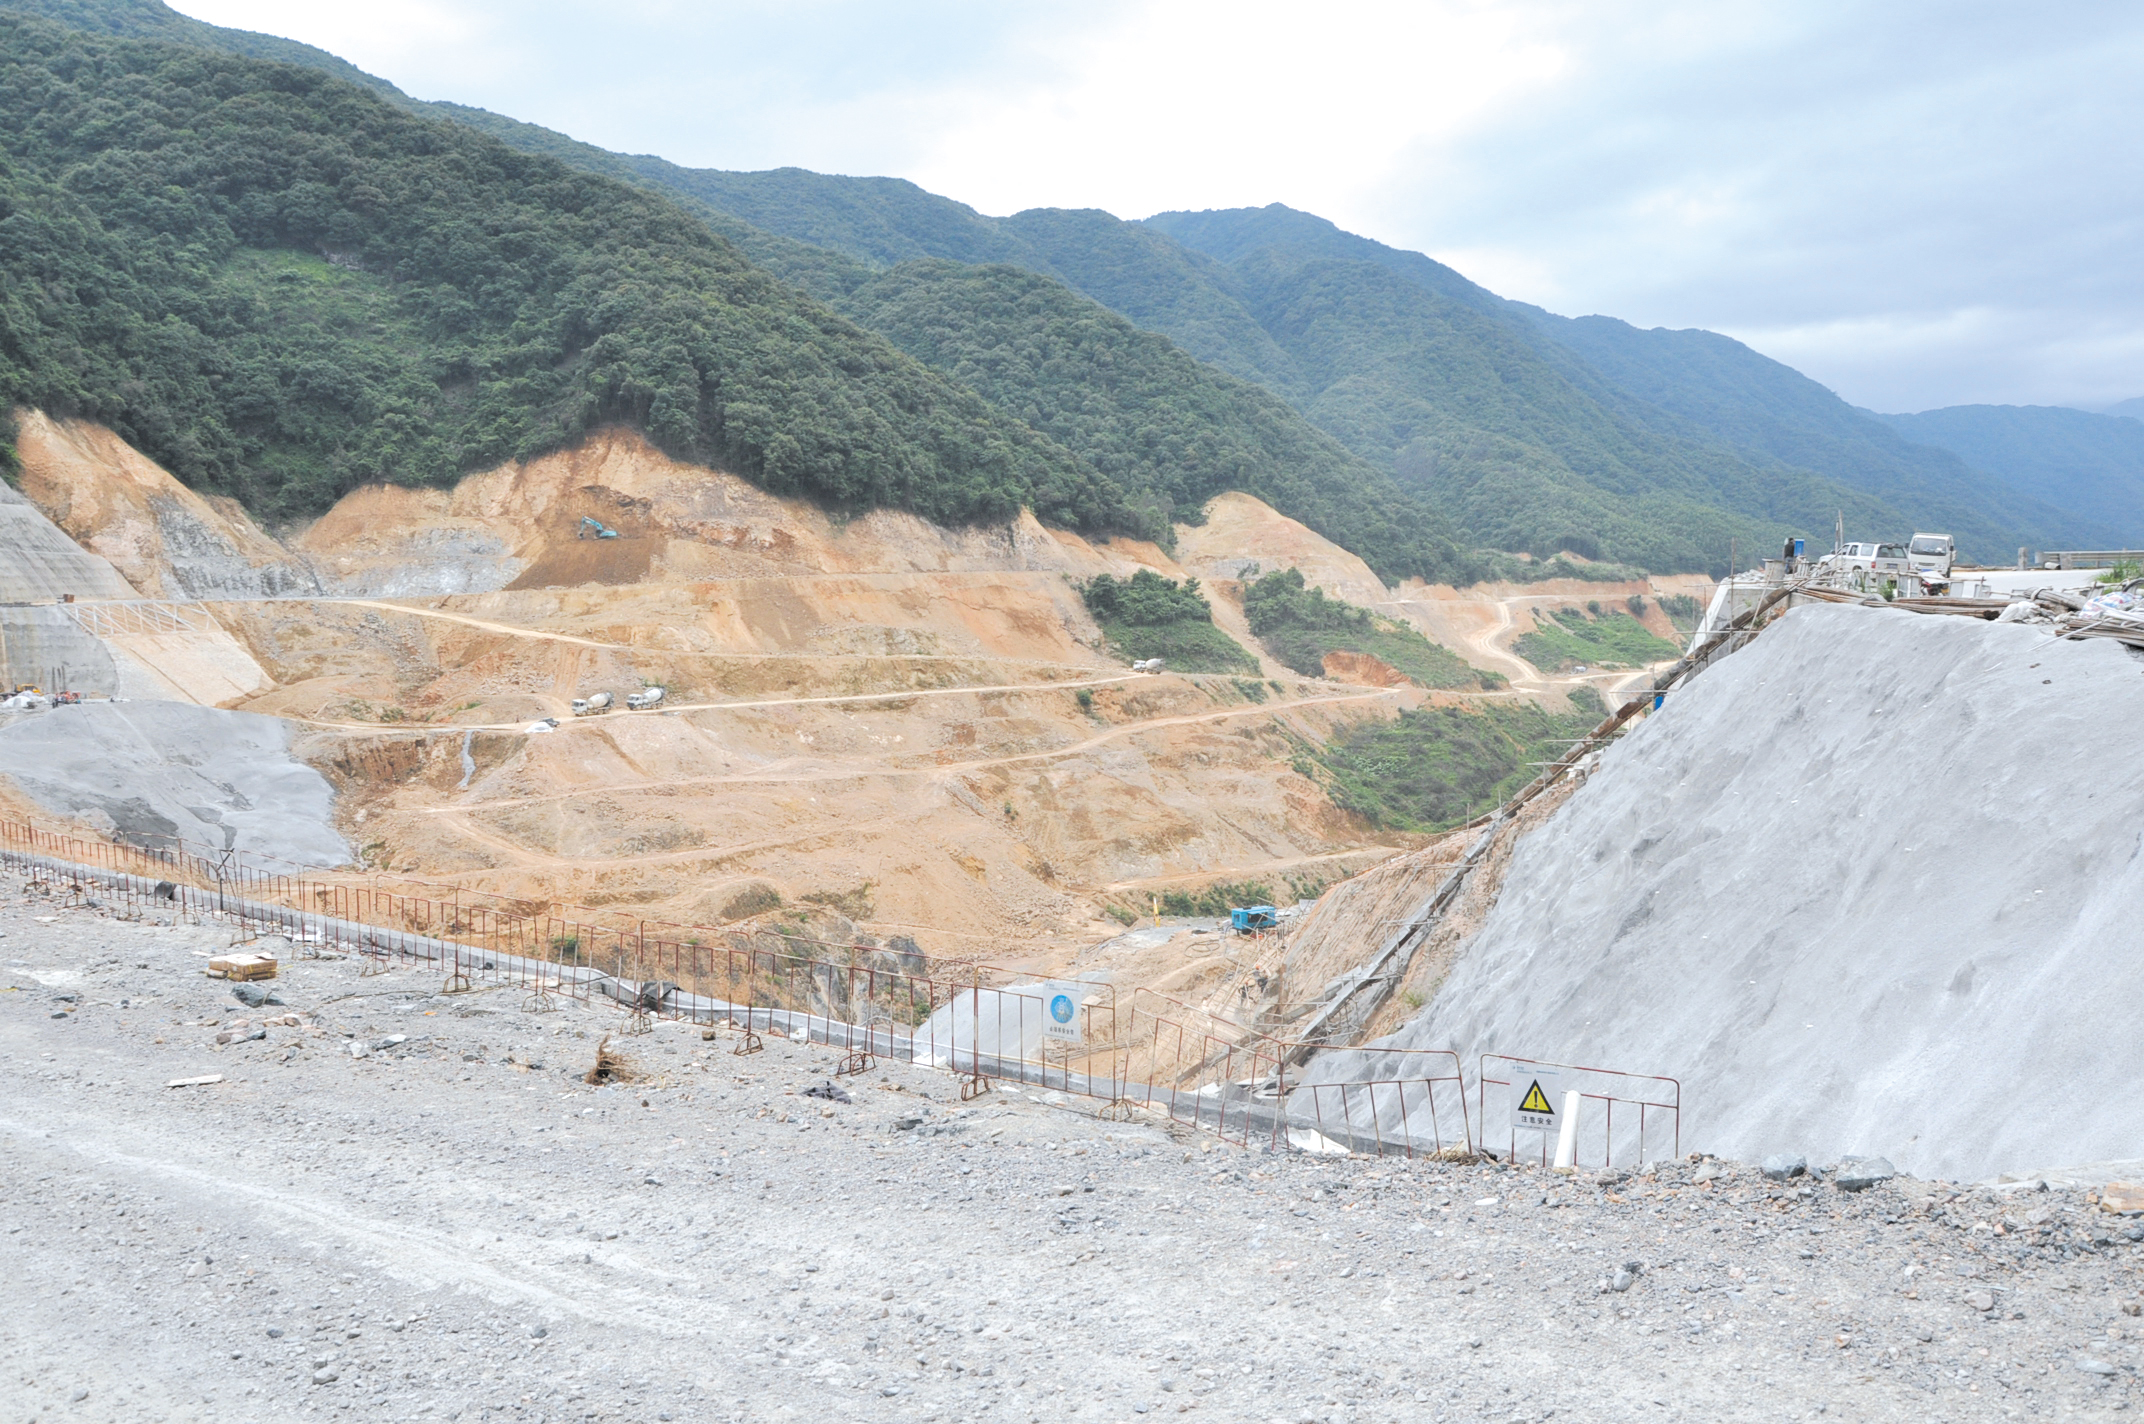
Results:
[1918, 204]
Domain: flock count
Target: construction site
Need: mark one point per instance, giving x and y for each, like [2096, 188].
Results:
[812, 875]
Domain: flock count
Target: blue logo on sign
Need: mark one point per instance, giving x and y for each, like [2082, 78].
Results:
[1061, 1008]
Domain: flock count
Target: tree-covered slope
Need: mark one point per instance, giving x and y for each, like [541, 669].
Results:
[1774, 413]
[280, 285]
[1143, 412]
[1159, 285]
[2092, 464]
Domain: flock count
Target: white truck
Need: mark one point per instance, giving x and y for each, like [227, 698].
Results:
[1148, 665]
[1932, 554]
[642, 700]
[592, 704]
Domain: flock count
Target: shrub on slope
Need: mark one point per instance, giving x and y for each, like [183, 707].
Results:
[1148, 616]
[1594, 637]
[1436, 767]
[1300, 625]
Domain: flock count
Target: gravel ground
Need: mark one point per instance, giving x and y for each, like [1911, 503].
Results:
[456, 1227]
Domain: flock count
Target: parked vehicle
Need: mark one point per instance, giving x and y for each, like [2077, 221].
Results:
[1932, 554]
[1864, 566]
[592, 704]
[642, 700]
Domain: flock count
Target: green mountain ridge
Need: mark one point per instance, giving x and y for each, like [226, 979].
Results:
[2091, 462]
[1430, 396]
[280, 285]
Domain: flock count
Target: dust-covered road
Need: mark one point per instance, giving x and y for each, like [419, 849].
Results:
[455, 1226]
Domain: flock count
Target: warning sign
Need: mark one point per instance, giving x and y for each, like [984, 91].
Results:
[1536, 1105]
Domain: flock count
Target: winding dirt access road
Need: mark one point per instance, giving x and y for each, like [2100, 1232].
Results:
[490, 627]
[668, 707]
[934, 771]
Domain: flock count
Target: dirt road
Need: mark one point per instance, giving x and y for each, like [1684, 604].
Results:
[455, 1226]
[935, 770]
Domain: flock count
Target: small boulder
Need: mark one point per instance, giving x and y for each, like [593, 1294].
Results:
[1782, 1166]
[1858, 1174]
[253, 995]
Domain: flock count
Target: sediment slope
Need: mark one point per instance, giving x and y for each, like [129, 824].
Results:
[1868, 887]
[149, 772]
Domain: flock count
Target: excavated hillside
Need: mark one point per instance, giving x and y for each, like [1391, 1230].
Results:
[884, 725]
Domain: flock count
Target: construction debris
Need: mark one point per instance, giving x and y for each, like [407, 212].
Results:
[610, 1067]
[243, 966]
[201, 1082]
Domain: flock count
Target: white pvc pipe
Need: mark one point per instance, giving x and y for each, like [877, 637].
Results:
[1567, 1137]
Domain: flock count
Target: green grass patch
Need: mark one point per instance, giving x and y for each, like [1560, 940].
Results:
[1437, 767]
[1592, 636]
[1148, 616]
[1299, 625]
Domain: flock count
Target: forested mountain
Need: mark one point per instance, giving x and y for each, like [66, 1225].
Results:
[1146, 414]
[1775, 415]
[378, 365]
[1700, 414]
[2091, 463]
[1449, 404]
[280, 285]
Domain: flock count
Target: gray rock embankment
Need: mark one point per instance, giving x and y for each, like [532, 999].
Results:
[1858, 887]
[452, 1224]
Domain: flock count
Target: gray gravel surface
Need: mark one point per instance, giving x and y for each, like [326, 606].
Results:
[454, 1226]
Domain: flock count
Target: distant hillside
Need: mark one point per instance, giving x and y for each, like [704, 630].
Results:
[1776, 415]
[2132, 409]
[279, 285]
[2091, 463]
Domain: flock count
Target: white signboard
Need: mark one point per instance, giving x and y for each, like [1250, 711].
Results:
[1536, 1099]
[1061, 1019]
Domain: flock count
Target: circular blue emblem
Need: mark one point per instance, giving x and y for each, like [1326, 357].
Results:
[1061, 1008]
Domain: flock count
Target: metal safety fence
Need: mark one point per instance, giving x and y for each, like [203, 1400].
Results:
[1655, 1102]
[1131, 1051]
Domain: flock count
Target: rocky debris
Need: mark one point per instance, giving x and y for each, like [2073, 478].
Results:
[253, 996]
[1858, 1174]
[391, 1223]
[2122, 1197]
[1781, 1167]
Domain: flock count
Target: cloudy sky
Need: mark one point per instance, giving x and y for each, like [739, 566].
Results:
[1917, 203]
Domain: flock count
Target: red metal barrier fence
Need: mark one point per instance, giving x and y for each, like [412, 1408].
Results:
[866, 999]
[1649, 1096]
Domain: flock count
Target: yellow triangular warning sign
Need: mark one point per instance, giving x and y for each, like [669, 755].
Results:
[1535, 1101]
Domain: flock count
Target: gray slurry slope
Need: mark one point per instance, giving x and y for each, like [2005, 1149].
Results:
[42, 563]
[151, 771]
[1871, 886]
[454, 1226]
